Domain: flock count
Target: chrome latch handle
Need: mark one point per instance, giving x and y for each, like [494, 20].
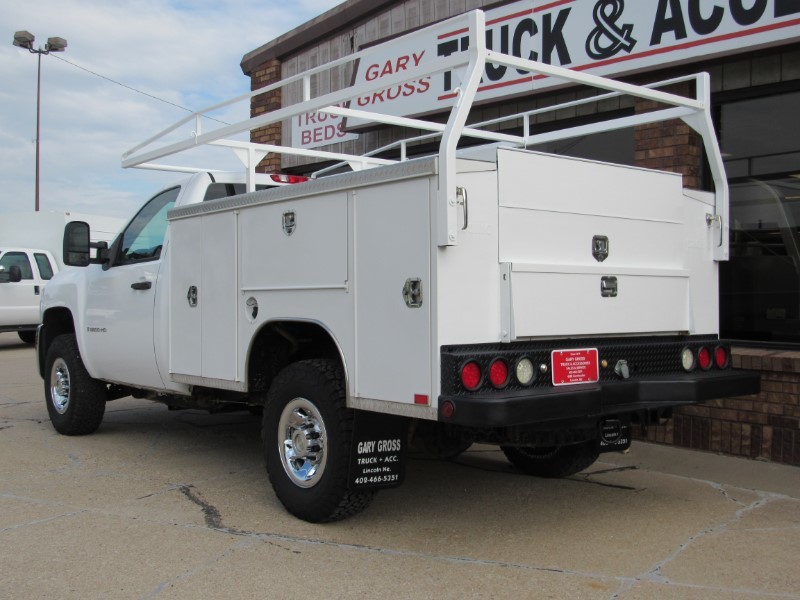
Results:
[715, 219]
[461, 195]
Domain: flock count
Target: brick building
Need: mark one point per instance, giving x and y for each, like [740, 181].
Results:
[751, 50]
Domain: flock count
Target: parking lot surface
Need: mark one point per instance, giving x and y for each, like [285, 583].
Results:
[176, 504]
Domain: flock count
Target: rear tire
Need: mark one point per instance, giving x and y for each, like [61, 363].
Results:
[76, 403]
[307, 439]
[558, 461]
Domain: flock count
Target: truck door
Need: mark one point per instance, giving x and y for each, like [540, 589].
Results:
[120, 303]
[19, 302]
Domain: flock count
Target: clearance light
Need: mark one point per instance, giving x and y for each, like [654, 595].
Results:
[498, 373]
[471, 376]
[283, 178]
[687, 359]
[704, 358]
[721, 357]
[524, 371]
[448, 409]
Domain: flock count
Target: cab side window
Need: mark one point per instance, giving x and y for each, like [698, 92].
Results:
[144, 236]
[45, 268]
[15, 258]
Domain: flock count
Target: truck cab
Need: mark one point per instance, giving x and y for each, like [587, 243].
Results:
[23, 274]
[121, 315]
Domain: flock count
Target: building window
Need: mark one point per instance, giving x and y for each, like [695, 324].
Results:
[760, 285]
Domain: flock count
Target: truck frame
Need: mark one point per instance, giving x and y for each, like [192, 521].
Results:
[487, 294]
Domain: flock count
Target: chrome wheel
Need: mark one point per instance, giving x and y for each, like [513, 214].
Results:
[59, 386]
[301, 442]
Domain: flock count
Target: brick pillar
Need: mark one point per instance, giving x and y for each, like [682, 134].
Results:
[268, 73]
[669, 145]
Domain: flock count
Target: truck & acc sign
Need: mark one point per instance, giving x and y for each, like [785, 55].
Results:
[604, 37]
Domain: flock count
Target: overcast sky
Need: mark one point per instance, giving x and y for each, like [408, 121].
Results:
[184, 51]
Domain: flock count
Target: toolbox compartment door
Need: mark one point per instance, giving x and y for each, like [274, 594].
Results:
[590, 248]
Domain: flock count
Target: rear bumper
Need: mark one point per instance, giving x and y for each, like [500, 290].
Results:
[604, 399]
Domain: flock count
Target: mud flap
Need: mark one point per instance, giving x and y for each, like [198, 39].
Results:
[614, 435]
[378, 456]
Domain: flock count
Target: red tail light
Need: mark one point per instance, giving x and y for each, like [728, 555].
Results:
[283, 178]
[498, 373]
[704, 358]
[721, 357]
[471, 376]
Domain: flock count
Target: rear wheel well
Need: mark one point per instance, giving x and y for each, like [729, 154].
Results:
[281, 343]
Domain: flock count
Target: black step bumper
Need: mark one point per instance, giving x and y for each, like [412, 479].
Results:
[594, 400]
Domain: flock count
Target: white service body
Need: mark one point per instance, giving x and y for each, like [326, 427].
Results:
[523, 269]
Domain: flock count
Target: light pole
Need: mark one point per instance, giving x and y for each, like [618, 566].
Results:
[25, 39]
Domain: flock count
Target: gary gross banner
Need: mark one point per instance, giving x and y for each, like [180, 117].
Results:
[604, 37]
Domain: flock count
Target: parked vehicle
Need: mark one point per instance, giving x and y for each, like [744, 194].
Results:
[491, 294]
[23, 273]
[33, 242]
[45, 230]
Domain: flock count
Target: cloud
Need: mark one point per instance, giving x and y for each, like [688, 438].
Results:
[184, 51]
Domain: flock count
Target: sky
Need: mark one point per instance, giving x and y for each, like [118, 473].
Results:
[186, 52]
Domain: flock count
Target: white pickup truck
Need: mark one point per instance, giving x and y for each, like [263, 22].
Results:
[492, 294]
[33, 242]
[23, 273]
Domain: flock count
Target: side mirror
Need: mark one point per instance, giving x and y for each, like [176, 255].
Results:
[76, 244]
[11, 275]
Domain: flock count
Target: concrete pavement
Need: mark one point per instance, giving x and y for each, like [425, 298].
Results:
[161, 504]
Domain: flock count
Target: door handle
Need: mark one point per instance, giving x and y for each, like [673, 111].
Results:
[142, 285]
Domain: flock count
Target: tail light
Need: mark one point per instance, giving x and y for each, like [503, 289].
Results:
[721, 357]
[704, 358]
[498, 373]
[283, 178]
[471, 376]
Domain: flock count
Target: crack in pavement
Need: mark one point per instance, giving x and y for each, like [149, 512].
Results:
[210, 512]
[199, 569]
[655, 573]
[213, 522]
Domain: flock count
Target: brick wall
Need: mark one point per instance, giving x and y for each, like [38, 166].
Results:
[268, 73]
[765, 426]
[669, 145]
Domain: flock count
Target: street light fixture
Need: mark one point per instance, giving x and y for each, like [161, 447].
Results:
[25, 39]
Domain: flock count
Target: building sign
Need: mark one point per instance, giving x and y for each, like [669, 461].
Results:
[311, 130]
[603, 37]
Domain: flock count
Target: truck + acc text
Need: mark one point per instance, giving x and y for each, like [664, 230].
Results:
[487, 293]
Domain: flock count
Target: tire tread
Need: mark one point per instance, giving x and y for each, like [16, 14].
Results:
[87, 402]
[340, 502]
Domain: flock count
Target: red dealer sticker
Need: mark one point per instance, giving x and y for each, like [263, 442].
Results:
[575, 366]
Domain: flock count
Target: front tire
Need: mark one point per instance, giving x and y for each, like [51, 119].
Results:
[558, 461]
[76, 403]
[307, 435]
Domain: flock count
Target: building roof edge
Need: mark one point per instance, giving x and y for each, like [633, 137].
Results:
[335, 19]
